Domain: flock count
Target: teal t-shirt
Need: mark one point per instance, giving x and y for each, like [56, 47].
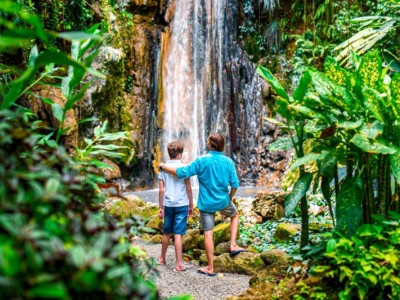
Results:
[215, 172]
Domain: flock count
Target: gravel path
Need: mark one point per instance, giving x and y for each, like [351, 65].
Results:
[190, 282]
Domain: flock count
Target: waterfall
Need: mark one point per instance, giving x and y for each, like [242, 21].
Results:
[193, 39]
[208, 84]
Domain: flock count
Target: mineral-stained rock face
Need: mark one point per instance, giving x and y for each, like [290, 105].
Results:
[183, 74]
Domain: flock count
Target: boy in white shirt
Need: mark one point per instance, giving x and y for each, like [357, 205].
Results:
[176, 204]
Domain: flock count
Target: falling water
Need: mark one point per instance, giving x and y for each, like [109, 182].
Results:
[192, 48]
[208, 83]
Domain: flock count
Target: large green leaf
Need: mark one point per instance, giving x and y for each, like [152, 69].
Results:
[46, 57]
[78, 36]
[349, 205]
[350, 124]
[376, 105]
[308, 112]
[331, 93]
[301, 89]
[328, 162]
[276, 85]
[370, 70]
[54, 290]
[336, 73]
[370, 146]
[395, 93]
[372, 130]
[299, 191]
[307, 159]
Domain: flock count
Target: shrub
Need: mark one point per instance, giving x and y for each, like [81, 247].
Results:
[55, 241]
[367, 265]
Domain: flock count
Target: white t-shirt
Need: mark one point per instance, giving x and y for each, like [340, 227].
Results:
[175, 189]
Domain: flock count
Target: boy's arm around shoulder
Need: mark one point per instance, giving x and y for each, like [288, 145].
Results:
[190, 195]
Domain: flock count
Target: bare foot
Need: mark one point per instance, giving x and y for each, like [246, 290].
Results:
[161, 262]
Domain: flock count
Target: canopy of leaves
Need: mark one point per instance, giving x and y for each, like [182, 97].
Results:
[55, 240]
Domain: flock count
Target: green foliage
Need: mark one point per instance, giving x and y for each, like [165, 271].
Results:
[352, 119]
[365, 266]
[56, 241]
[32, 28]
[261, 236]
[379, 25]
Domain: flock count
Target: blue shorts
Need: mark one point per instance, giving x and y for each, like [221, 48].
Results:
[175, 219]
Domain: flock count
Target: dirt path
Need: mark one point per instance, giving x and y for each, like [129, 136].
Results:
[202, 287]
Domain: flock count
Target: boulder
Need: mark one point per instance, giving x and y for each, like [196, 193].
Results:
[270, 205]
[221, 233]
[320, 227]
[222, 248]
[242, 263]
[274, 256]
[147, 211]
[191, 239]
[154, 239]
[285, 231]
[201, 242]
[198, 252]
[124, 208]
[155, 223]
[113, 173]
[203, 259]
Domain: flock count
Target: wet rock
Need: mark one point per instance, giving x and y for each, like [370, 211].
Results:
[222, 248]
[270, 205]
[274, 256]
[221, 233]
[191, 239]
[198, 252]
[147, 211]
[124, 208]
[155, 239]
[113, 173]
[243, 263]
[155, 223]
[285, 231]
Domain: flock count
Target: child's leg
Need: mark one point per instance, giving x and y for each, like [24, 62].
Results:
[178, 252]
[180, 223]
[164, 246]
[168, 229]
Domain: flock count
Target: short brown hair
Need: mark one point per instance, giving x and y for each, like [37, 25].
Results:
[174, 148]
[216, 142]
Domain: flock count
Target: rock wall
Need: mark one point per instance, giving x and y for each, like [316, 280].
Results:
[132, 97]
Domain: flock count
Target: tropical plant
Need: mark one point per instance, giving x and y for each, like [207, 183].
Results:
[379, 26]
[297, 136]
[352, 123]
[29, 30]
[365, 266]
[55, 239]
